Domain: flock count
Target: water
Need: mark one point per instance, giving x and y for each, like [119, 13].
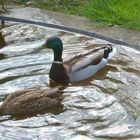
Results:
[105, 106]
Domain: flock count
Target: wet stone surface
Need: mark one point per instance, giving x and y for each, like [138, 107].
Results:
[105, 106]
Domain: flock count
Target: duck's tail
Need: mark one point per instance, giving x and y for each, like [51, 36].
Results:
[109, 52]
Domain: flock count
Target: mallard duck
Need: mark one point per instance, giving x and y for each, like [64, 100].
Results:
[30, 101]
[79, 67]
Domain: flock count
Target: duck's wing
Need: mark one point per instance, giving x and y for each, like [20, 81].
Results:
[15, 95]
[83, 60]
[32, 92]
[86, 64]
[29, 101]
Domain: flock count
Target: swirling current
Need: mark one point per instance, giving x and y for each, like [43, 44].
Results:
[105, 106]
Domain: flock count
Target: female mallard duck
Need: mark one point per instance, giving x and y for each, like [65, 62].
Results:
[79, 67]
[30, 101]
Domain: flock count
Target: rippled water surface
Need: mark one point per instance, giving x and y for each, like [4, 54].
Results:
[106, 106]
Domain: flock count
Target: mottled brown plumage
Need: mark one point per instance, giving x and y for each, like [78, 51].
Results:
[30, 101]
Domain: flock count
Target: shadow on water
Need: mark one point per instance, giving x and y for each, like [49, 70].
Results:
[105, 106]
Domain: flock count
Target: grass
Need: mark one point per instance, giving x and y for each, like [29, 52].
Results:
[125, 13]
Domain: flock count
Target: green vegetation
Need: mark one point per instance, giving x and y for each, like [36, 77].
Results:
[125, 13]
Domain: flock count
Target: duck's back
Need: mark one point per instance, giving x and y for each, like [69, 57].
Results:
[84, 65]
[29, 101]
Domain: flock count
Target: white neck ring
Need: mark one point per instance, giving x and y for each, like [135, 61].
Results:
[58, 62]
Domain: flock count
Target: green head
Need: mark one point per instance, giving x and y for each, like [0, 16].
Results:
[56, 45]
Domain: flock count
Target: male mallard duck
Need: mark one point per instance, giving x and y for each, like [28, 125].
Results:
[30, 101]
[79, 67]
